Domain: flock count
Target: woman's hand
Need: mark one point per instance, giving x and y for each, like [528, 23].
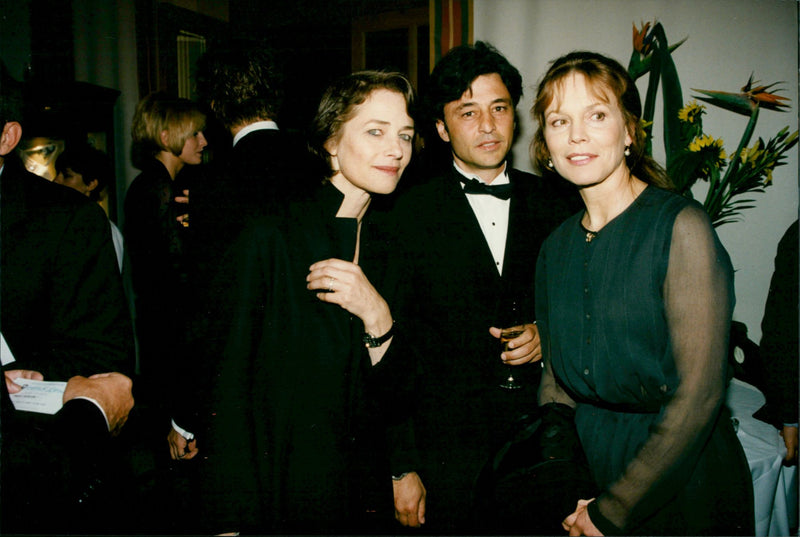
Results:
[527, 347]
[579, 523]
[344, 283]
[184, 218]
[790, 438]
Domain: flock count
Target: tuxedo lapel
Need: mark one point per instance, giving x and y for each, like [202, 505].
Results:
[523, 242]
[465, 231]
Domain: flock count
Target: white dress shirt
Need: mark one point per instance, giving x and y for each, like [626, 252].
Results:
[492, 215]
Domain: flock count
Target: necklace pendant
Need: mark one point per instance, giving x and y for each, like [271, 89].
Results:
[590, 235]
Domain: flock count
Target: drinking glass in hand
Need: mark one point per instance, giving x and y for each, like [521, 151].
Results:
[506, 335]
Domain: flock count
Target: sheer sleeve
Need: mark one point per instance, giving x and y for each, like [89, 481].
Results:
[698, 304]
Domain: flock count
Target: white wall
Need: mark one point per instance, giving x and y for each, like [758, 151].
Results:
[727, 40]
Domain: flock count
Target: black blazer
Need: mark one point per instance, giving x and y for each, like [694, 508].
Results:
[449, 294]
[55, 477]
[63, 314]
[251, 180]
[63, 307]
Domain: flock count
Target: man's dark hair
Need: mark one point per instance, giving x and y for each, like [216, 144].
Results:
[91, 163]
[455, 72]
[241, 83]
[11, 101]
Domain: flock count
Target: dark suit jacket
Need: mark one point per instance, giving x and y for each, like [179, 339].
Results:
[450, 294]
[63, 314]
[55, 474]
[779, 339]
[63, 307]
[252, 180]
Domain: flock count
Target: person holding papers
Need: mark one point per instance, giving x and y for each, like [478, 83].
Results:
[63, 315]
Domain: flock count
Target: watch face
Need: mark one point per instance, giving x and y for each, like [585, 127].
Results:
[371, 342]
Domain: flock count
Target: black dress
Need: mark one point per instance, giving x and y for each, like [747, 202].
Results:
[290, 442]
[635, 322]
[155, 246]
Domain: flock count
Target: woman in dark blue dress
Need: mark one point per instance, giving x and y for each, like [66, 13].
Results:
[634, 302]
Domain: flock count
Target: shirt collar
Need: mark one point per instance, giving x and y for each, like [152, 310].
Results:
[258, 125]
[500, 179]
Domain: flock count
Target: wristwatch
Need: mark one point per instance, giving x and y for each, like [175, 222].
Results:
[372, 342]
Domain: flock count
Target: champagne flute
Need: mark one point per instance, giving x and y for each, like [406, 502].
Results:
[514, 328]
[506, 335]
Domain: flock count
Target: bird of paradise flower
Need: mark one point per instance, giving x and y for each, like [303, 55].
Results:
[693, 155]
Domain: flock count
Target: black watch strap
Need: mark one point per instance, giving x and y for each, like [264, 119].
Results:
[372, 342]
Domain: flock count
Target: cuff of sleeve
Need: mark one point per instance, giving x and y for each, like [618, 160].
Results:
[78, 422]
[601, 522]
[100, 408]
[184, 433]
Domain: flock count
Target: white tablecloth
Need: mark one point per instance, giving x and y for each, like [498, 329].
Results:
[774, 485]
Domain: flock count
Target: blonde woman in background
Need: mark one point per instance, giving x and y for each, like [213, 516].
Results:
[167, 140]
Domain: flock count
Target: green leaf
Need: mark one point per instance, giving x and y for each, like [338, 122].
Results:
[672, 94]
[650, 100]
[735, 102]
[639, 65]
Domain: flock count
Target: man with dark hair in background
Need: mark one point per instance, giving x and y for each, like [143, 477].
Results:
[242, 85]
[89, 171]
[469, 236]
[64, 318]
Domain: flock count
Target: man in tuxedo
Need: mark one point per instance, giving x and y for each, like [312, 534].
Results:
[242, 84]
[468, 240]
[63, 315]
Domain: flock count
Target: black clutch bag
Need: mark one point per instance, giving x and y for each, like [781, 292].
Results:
[535, 479]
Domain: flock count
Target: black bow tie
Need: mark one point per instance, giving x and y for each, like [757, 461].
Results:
[473, 186]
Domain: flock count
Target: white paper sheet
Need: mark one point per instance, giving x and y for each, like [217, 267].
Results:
[40, 396]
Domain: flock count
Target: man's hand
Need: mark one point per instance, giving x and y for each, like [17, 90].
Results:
[179, 448]
[14, 374]
[409, 500]
[112, 391]
[527, 347]
[790, 435]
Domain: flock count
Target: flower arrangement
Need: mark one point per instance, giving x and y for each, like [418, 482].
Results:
[692, 154]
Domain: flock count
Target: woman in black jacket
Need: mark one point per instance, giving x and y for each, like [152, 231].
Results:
[167, 137]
